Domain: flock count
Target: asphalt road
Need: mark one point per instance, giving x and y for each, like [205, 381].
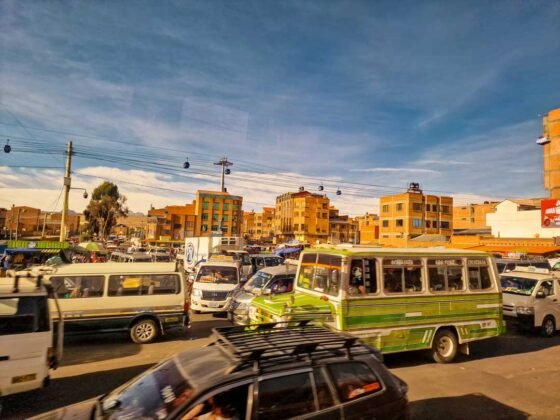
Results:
[515, 376]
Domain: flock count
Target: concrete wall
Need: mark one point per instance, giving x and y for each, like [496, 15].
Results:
[510, 222]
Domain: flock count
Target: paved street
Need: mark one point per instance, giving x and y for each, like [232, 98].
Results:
[513, 377]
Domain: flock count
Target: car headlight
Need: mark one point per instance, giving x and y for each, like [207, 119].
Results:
[197, 293]
[525, 310]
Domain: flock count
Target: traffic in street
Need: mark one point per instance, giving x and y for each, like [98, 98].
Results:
[513, 376]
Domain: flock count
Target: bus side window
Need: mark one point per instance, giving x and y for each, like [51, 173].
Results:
[356, 284]
[479, 276]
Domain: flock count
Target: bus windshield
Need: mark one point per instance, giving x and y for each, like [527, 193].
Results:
[217, 274]
[320, 273]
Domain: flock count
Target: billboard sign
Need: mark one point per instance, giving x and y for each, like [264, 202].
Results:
[550, 213]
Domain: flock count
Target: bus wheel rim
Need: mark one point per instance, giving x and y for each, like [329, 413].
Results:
[445, 346]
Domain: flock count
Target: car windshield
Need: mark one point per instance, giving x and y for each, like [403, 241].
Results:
[217, 274]
[273, 261]
[258, 281]
[153, 395]
[518, 285]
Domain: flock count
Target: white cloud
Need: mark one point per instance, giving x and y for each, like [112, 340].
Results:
[408, 170]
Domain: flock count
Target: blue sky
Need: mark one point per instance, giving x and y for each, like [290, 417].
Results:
[358, 95]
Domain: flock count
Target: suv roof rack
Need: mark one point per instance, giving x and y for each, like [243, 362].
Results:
[268, 344]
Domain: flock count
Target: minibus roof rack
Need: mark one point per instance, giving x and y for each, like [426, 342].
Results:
[269, 344]
[16, 275]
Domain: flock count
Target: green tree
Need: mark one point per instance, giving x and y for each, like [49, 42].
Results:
[105, 206]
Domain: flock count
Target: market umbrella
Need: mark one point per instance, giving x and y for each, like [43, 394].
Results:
[93, 247]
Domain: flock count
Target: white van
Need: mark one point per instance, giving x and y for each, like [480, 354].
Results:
[213, 285]
[531, 299]
[130, 258]
[29, 348]
[144, 299]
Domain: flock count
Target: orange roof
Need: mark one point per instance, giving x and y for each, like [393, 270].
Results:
[536, 250]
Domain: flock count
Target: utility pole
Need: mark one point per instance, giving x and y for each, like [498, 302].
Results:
[224, 163]
[44, 226]
[67, 183]
[17, 224]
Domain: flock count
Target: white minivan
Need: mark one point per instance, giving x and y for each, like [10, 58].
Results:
[531, 299]
[213, 286]
[145, 299]
[29, 347]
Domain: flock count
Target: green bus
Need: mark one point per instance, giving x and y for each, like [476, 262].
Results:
[395, 299]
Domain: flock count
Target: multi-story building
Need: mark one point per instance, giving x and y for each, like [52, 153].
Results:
[29, 222]
[218, 211]
[264, 225]
[248, 230]
[134, 225]
[172, 222]
[550, 141]
[342, 228]
[303, 216]
[368, 229]
[472, 216]
[413, 213]
[3, 227]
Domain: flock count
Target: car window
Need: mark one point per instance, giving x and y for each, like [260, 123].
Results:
[354, 380]
[67, 287]
[324, 396]
[286, 396]
[153, 395]
[226, 404]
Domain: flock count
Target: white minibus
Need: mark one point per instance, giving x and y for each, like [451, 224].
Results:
[144, 299]
[214, 283]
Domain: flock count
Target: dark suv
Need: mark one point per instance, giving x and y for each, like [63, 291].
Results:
[268, 372]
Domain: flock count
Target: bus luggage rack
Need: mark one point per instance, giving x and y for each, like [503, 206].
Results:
[269, 344]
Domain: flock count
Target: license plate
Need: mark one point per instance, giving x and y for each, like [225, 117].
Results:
[214, 304]
[24, 378]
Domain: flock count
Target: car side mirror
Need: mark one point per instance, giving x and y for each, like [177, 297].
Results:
[540, 295]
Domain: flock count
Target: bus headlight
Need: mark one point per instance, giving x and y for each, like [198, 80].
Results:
[197, 293]
[525, 310]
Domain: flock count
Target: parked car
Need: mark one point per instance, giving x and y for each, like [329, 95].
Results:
[265, 260]
[269, 280]
[268, 373]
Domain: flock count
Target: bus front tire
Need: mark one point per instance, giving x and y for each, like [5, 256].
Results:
[548, 327]
[144, 331]
[445, 346]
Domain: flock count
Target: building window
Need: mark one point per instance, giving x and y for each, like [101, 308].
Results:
[216, 206]
[445, 209]
[204, 228]
[399, 223]
[204, 216]
[445, 225]
[435, 208]
[399, 206]
[417, 223]
[385, 208]
[428, 224]
[416, 206]
[435, 224]
[324, 215]
[205, 205]
[225, 218]
[385, 223]
[226, 206]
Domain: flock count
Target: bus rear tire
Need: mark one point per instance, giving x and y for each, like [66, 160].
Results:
[144, 331]
[548, 327]
[445, 346]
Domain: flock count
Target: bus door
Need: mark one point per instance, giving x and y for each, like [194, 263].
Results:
[361, 290]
